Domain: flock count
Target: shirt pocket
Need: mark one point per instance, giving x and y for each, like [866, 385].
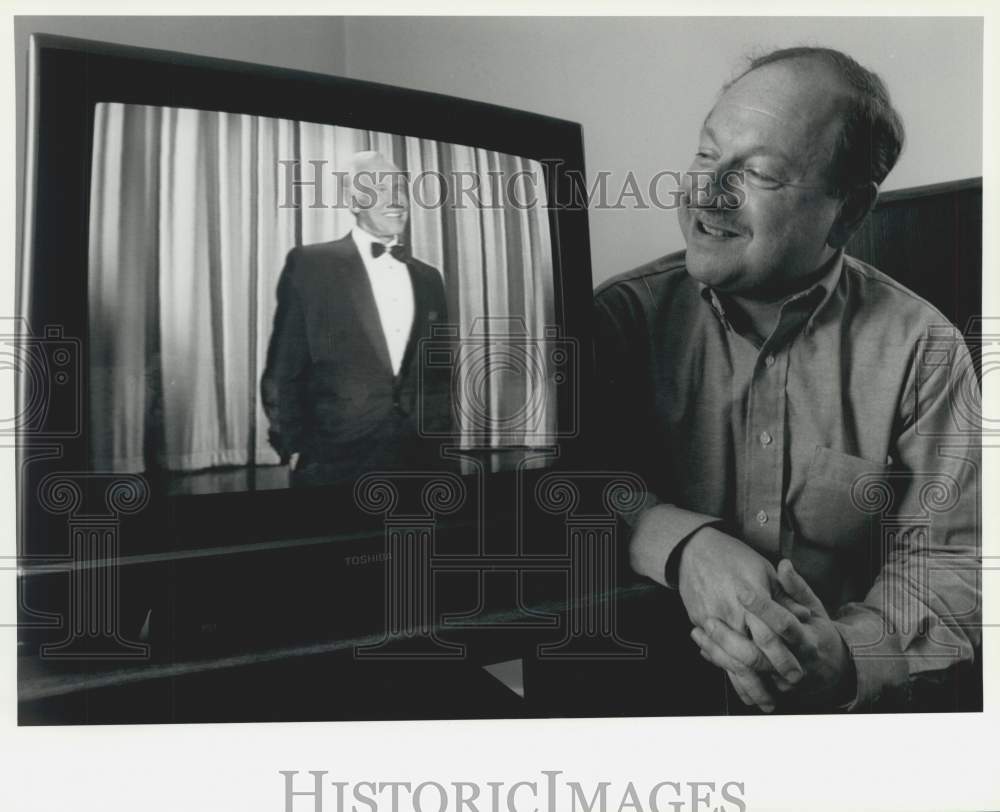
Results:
[825, 513]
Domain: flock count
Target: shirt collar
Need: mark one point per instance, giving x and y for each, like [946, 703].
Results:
[828, 284]
[817, 295]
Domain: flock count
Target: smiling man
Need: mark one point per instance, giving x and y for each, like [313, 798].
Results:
[767, 385]
[341, 388]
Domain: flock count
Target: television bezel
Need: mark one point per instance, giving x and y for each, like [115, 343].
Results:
[68, 77]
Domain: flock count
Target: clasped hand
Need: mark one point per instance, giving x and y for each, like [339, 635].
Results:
[764, 626]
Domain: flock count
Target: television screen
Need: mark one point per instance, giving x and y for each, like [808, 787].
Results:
[238, 320]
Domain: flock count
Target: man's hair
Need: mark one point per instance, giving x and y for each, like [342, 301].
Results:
[364, 170]
[872, 134]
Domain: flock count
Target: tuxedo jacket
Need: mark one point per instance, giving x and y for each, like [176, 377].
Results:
[329, 390]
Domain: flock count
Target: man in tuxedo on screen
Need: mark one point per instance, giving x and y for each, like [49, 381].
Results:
[342, 388]
[776, 394]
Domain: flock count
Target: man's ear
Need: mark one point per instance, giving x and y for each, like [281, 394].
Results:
[853, 209]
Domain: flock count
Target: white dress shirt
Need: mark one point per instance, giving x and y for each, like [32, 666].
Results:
[393, 290]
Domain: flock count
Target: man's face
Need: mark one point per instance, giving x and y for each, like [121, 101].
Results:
[779, 125]
[381, 200]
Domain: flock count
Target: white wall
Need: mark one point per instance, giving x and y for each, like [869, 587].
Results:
[641, 87]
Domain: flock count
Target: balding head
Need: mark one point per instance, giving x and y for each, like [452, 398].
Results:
[871, 132]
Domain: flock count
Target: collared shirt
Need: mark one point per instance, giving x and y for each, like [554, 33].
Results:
[845, 441]
[393, 291]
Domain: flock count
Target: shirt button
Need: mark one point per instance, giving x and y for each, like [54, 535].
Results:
[769, 361]
[761, 517]
[765, 438]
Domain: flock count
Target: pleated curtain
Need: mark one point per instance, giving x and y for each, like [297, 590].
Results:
[192, 215]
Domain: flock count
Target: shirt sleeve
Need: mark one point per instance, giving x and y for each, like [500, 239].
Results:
[656, 530]
[923, 611]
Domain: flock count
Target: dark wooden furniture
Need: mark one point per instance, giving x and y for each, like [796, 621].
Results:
[930, 238]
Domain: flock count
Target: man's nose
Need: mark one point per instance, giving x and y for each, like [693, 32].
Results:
[702, 188]
[713, 189]
[397, 199]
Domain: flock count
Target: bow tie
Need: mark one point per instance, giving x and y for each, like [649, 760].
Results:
[398, 252]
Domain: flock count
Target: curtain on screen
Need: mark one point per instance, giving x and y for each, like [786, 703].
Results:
[188, 233]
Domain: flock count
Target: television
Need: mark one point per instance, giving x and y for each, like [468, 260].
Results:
[172, 202]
